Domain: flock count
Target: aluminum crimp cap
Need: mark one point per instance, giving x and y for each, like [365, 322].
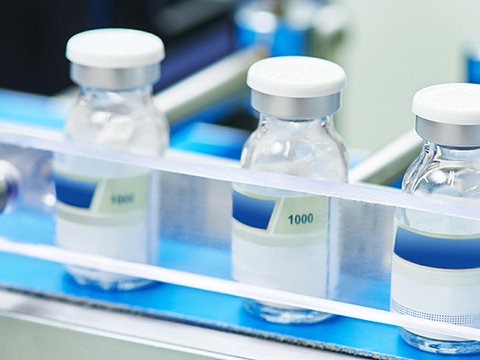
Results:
[296, 86]
[115, 58]
[449, 114]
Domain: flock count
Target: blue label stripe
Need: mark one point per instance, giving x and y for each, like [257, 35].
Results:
[252, 212]
[436, 252]
[78, 193]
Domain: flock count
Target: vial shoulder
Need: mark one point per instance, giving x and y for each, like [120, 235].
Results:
[453, 178]
[308, 155]
[139, 129]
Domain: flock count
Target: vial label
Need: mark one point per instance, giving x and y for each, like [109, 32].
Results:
[279, 240]
[436, 277]
[106, 214]
[89, 196]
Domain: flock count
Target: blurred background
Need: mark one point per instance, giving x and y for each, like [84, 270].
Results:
[389, 50]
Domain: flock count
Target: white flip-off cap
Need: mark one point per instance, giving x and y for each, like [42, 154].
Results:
[296, 76]
[115, 48]
[449, 114]
[457, 103]
[296, 87]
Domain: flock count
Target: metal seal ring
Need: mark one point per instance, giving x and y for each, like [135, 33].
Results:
[114, 79]
[295, 108]
[448, 134]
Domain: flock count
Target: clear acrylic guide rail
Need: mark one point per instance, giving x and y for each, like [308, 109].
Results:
[196, 203]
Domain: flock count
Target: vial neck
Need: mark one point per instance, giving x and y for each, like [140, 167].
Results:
[268, 120]
[450, 153]
[135, 95]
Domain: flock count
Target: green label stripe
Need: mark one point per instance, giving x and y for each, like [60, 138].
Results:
[300, 215]
[292, 213]
[121, 195]
[284, 241]
[108, 195]
[398, 224]
[86, 217]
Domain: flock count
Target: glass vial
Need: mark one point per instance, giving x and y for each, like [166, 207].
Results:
[107, 208]
[436, 262]
[12, 188]
[280, 238]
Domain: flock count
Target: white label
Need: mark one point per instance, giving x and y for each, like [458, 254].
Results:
[279, 240]
[436, 277]
[106, 215]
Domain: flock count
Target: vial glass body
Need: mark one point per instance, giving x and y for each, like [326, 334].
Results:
[291, 250]
[304, 147]
[432, 277]
[106, 208]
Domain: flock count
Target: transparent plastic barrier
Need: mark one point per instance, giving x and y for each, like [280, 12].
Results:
[195, 214]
